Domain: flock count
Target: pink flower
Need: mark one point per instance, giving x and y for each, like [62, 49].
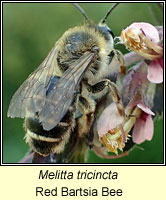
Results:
[114, 129]
[155, 71]
[144, 127]
[110, 129]
[143, 38]
[105, 124]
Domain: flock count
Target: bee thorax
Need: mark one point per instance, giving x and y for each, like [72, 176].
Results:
[78, 40]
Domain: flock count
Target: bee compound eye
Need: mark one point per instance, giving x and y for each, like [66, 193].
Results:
[111, 33]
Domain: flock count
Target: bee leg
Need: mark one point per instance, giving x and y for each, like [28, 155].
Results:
[120, 60]
[101, 88]
[116, 97]
[87, 108]
[98, 90]
[90, 137]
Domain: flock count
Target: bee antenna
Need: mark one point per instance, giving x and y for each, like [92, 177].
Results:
[110, 10]
[81, 10]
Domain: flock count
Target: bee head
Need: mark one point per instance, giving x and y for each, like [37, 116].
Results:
[106, 31]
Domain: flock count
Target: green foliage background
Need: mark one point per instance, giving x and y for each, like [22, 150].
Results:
[30, 31]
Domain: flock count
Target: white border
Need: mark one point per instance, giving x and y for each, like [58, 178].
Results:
[88, 164]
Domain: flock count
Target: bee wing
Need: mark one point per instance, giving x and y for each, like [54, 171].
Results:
[31, 95]
[62, 95]
[46, 94]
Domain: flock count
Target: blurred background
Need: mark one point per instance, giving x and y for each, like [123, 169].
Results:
[29, 32]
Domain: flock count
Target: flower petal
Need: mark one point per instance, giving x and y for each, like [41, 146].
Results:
[138, 131]
[155, 72]
[145, 109]
[109, 119]
[143, 129]
[149, 128]
[142, 38]
[149, 30]
[160, 61]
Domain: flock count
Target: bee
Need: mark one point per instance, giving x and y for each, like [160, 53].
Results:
[59, 99]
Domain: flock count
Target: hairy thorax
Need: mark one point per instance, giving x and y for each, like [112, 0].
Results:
[78, 40]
